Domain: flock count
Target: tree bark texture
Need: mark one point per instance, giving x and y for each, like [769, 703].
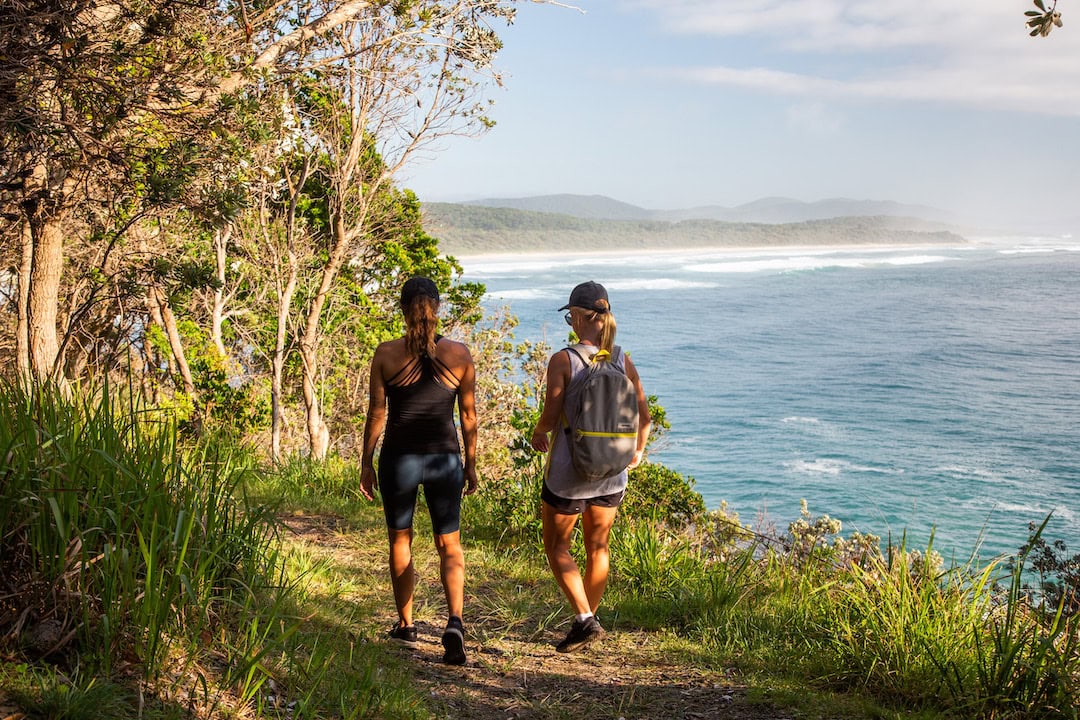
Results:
[168, 320]
[46, 267]
[22, 337]
[217, 314]
[278, 361]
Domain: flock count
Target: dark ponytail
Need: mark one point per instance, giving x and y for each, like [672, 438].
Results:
[421, 320]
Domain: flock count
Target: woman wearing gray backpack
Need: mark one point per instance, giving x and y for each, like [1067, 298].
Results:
[571, 485]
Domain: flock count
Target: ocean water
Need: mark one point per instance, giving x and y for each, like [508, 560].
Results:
[903, 390]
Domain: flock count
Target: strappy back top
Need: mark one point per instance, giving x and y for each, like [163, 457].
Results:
[421, 398]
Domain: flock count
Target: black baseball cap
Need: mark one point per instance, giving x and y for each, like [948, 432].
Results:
[587, 295]
[417, 286]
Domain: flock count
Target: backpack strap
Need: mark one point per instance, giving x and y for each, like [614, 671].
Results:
[616, 353]
[570, 350]
[573, 349]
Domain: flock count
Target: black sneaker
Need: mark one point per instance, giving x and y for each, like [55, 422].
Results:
[453, 641]
[403, 634]
[581, 634]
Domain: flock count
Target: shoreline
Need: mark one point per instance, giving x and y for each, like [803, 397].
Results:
[1001, 242]
[725, 250]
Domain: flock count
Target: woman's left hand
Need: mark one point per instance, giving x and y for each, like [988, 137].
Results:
[367, 483]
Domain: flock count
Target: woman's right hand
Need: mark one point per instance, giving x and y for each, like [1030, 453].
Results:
[539, 441]
[472, 480]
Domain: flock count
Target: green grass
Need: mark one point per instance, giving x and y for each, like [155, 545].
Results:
[168, 582]
[129, 550]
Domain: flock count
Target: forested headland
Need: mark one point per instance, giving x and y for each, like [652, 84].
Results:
[468, 229]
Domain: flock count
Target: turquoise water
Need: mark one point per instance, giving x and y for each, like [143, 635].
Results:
[900, 390]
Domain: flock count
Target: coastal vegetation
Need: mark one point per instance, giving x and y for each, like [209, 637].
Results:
[150, 574]
[203, 244]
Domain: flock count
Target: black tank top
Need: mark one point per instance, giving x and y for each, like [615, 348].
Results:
[421, 398]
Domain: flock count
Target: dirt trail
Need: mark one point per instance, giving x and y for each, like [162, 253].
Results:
[513, 679]
[516, 672]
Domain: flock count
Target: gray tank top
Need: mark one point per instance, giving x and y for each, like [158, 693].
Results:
[559, 473]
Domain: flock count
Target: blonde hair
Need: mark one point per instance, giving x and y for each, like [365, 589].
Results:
[421, 319]
[607, 332]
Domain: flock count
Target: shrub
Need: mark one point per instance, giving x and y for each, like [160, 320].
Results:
[659, 493]
[1058, 573]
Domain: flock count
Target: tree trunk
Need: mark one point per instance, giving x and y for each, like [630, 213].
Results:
[285, 298]
[42, 299]
[22, 336]
[278, 361]
[318, 434]
[168, 323]
[155, 316]
[221, 243]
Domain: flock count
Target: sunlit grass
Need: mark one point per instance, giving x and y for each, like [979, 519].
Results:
[243, 590]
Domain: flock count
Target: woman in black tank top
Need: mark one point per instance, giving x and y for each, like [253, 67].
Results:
[422, 377]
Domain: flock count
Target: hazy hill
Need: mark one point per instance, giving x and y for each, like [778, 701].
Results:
[786, 210]
[596, 207]
[465, 229]
[764, 210]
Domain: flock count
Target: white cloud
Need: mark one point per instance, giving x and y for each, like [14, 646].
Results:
[963, 85]
[815, 118]
[972, 53]
[831, 25]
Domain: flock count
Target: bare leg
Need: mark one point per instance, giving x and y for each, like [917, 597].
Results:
[596, 525]
[402, 573]
[452, 570]
[558, 532]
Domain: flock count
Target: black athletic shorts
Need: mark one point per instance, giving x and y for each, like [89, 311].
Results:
[576, 506]
[443, 479]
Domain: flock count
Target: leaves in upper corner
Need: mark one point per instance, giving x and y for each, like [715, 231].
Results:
[1043, 20]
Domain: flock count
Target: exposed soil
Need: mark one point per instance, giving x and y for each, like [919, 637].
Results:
[8, 711]
[609, 679]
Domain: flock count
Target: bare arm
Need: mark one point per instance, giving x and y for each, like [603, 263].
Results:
[373, 424]
[467, 416]
[558, 376]
[644, 419]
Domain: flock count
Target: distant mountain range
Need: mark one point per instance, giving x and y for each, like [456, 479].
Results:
[594, 222]
[770, 210]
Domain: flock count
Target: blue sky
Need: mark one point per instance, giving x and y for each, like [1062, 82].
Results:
[680, 103]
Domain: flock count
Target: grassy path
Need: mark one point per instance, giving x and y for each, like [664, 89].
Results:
[514, 616]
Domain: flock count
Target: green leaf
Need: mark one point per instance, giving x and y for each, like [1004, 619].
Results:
[1033, 13]
[1039, 4]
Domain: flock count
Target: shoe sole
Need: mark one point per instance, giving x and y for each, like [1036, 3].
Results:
[582, 643]
[454, 644]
